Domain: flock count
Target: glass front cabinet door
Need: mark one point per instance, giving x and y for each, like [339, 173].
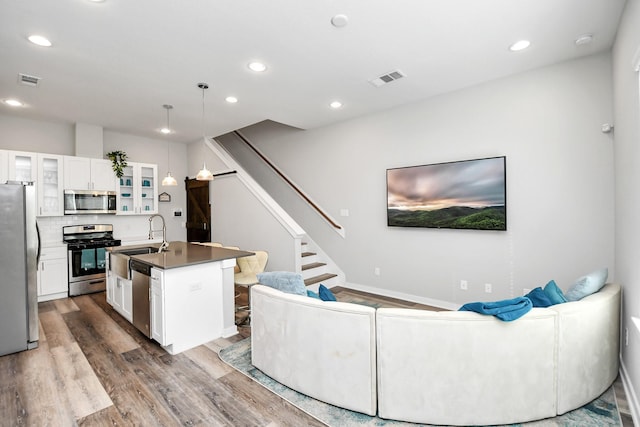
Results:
[50, 185]
[137, 190]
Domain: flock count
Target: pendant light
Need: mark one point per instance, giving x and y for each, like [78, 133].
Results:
[205, 174]
[168, 180]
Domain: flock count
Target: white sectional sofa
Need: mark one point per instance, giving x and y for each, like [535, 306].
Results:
[324, 350]
[454, 368]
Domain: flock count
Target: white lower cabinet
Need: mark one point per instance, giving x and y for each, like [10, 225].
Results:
[52, 274]
[186, 307]
[119, 293]
[123, 297]
[126, 297]
[158, 329]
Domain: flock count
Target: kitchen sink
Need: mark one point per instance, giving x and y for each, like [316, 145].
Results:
[137, 251]
[119, 259]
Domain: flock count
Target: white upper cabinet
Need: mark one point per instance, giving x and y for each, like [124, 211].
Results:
[102, 174]
[43, 169]
[82, 173]
[138, 190]
[23, 166]
[49, 185]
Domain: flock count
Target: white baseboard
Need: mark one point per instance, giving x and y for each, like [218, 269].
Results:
[50, 297]
[632, 398]
[399, 295]
[229, 332]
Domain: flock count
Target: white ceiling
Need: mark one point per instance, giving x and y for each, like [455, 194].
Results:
[117, 62]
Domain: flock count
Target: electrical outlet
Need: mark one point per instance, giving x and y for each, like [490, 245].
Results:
[487, 288]
[376, 271]
[464, 285]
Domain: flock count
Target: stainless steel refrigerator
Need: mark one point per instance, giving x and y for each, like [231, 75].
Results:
[19, 252]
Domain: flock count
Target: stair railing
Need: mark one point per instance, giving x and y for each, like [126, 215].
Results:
[288, 181]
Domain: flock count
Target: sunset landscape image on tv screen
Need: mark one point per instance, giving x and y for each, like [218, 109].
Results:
[469, 194]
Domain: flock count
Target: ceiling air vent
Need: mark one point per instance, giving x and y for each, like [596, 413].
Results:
[28, 80]
[387, 78]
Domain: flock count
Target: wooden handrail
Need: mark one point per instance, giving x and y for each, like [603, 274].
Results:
[288, 181]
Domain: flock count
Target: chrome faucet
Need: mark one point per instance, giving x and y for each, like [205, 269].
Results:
[165, 245]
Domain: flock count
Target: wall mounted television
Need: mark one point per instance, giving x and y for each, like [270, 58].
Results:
[467, 194]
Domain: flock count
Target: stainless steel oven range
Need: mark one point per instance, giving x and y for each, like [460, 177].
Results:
[86, 255]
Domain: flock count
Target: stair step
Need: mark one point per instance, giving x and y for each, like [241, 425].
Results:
[320, 278]
[308, 254]
[313, 265]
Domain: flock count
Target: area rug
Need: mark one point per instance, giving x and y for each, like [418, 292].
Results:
[601, 412]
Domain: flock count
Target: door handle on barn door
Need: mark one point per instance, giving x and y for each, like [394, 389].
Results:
[204, 225]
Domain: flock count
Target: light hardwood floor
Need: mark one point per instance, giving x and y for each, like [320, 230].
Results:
[94, 368]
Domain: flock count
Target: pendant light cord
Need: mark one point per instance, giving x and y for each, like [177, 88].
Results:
[204, 174]
[168, 180]
[202, 121]
[203, 86]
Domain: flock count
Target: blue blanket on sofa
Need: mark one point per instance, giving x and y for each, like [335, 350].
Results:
[507, 310]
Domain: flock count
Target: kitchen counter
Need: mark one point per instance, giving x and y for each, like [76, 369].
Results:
[183, 254]
[187, 297]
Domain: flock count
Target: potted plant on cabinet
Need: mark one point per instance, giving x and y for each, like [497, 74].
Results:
[119, 160]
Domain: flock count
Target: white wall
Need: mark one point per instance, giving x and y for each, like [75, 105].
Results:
[235, 213]
[23, 134]
[560, 184]
[235, 223]
[627, 174]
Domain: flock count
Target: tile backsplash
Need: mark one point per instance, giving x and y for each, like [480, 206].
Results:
[125, 228]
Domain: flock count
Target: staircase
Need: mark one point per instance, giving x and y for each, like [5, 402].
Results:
[314, 270]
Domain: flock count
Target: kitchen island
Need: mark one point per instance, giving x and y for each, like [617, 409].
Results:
[182, 297]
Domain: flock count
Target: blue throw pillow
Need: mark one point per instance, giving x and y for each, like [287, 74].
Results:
[554, 293]
[539, 298]
[312, 294]
[284, 281]
[587, 285]
[326, 294]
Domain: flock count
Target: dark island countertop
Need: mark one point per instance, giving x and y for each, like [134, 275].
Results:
[182, 254]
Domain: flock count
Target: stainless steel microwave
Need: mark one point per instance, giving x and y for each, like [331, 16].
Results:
[78, 202]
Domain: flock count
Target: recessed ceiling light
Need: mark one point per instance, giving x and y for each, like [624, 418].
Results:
[339, 20]
[96, 1]
[39, 40]
[231, 99]
[336, 104]
[520, 45]
[13, 102]
[584, 39]
[258, 67]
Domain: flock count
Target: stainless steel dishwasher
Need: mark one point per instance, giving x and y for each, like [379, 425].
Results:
[141, 282]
